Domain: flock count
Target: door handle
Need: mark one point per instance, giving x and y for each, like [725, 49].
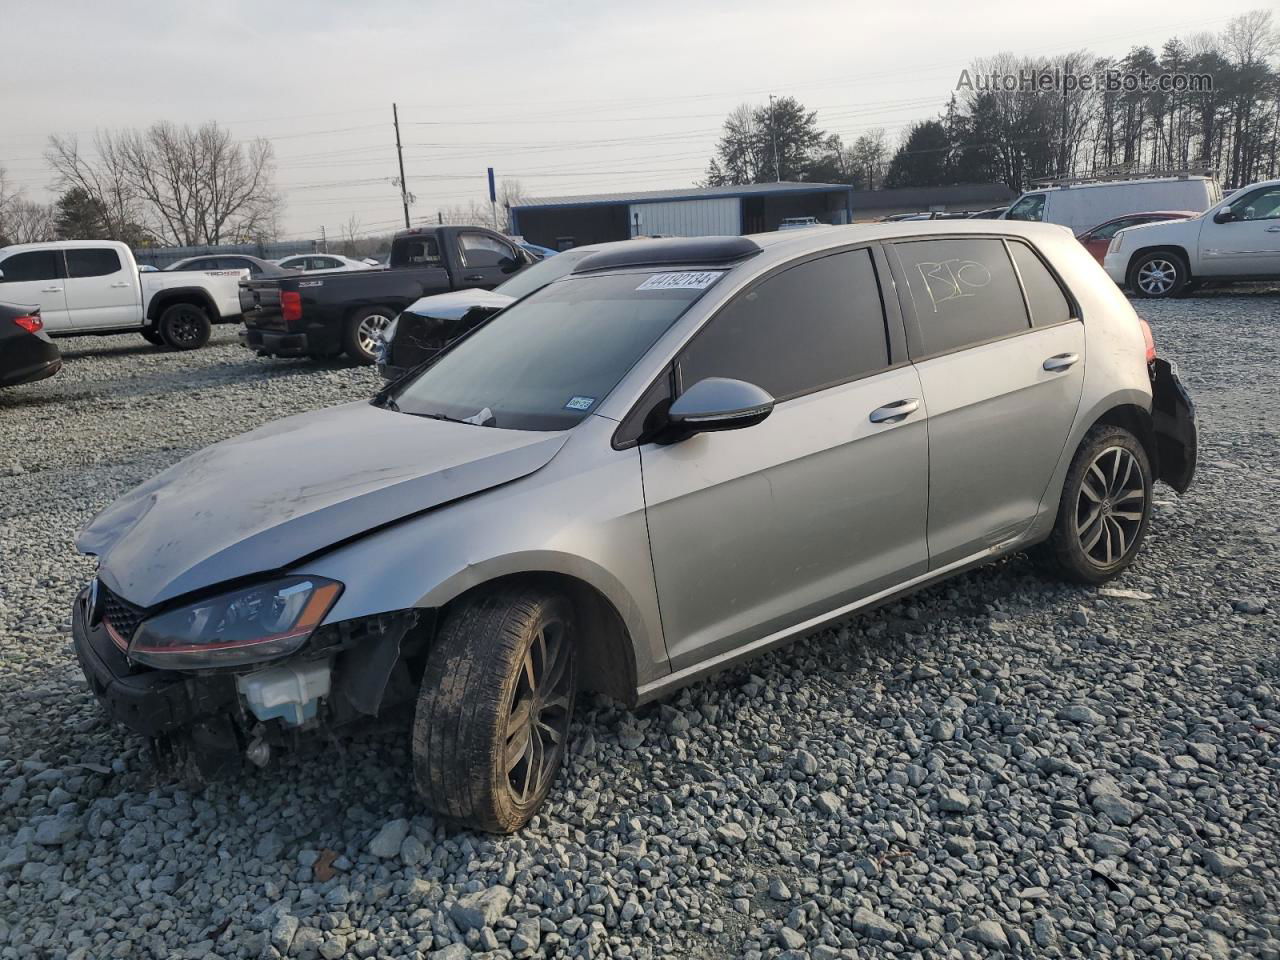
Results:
[474, 277]
[51, 290]
[120, 285]
[1060, 362]
[895, 412]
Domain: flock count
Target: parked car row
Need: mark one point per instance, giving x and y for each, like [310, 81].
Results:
[544, 508]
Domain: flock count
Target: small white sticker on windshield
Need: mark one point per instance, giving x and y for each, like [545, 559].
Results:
[681, 281]
[580, 403]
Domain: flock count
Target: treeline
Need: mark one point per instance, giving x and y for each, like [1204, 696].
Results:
[1015, 133]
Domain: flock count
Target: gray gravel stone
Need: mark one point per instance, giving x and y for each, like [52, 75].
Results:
[386, 843]
[480, 909]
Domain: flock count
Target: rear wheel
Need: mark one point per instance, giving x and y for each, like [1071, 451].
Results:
[361, 332]
[493, 713]
[1105, 508]
[1158, 274]
[185, 326]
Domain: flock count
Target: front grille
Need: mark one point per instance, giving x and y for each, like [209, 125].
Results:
[119, 614]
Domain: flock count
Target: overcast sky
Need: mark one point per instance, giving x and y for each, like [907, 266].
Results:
[566, 97]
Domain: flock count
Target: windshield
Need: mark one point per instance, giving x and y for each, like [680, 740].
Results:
[549, 360]
[542, 273]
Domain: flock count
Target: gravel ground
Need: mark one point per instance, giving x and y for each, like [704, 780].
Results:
[998, 764]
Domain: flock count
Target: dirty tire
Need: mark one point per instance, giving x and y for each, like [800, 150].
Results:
[152, 336]
[499, 684]
[184, 326]
[359, 330]
[1158, 275]
[1104, 511]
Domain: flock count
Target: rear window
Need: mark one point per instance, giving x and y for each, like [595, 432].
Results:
[548, 361]
[415, 252]
[964, 292]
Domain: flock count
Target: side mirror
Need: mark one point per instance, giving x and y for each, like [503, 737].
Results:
[718, 403]
[1224, 216]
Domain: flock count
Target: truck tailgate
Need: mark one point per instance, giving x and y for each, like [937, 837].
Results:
[260, 304]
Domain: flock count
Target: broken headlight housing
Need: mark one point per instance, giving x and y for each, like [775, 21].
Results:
[248, 625]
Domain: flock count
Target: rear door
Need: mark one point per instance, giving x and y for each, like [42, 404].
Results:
[102, 291]
[1002, 382]
[37, 278]
[480, 256]
[757, 530]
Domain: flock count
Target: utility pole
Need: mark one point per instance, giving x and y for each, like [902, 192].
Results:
[773, 129]
[324, 240]
[404, 187]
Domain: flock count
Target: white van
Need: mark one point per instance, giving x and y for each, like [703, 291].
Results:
[1082, 206]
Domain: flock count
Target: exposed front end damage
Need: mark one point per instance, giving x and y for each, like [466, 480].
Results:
[1173, 419]
[208, 722]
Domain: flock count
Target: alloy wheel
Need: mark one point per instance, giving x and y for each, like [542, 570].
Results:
[1110, 506]
[538, 721]
[370, 331]
[1157, 276]
[184, 326]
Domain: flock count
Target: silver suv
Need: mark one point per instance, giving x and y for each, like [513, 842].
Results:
[683, 454]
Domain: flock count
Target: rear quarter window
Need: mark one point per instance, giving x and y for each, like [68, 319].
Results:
[964, 291]
[1048, 304]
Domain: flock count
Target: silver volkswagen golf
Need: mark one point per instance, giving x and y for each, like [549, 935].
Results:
[684, 453]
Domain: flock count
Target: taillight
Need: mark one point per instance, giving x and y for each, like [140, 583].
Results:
[1148, 340]
[29, 322]
[291, 306]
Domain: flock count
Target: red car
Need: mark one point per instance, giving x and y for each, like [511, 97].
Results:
[1098, 239]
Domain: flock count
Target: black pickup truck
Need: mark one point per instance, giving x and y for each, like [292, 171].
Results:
[324, 314]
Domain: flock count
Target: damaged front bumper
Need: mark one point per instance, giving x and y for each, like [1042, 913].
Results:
[153, 703]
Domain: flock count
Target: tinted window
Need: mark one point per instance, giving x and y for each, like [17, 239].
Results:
[814, 325]
[541, 273]
[92, 263]
[1263, 205]
[549, 360]
[1109, 230]
[1048, 302]
[964, 292]
[35, 265]
[482, 250]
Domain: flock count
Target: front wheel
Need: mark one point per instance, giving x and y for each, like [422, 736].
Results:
[1157, 275]
[1104, 511]
[361, 332]
[185, 326]
[493, 713]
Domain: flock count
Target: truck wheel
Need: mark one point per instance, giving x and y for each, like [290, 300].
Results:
[184, 326]
[1157, 275]
[1104, 511]
[152, 335]
[361, 332]
[493, 713]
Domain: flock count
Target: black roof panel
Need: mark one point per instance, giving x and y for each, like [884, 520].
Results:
[670, 251]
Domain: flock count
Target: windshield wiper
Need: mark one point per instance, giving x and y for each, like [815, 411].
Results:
[387, 403]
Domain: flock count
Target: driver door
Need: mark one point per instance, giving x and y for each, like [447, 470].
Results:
[481, 256]
[757, 530]
[1247, 246]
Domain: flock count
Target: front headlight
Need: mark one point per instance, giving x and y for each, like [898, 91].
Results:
[1114, 245]
[249, 625]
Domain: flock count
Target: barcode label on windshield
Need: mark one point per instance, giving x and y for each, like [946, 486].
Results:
[680, 281]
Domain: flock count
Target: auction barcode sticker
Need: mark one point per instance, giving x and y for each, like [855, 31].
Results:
[681, 281]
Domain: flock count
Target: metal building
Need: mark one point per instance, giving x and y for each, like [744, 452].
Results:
[563, 222]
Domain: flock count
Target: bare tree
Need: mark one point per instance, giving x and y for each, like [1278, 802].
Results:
[23, 220]
[189, 186]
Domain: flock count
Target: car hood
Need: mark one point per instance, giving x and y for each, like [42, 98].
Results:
[264, 500]
[453, 305]
[1158, 231]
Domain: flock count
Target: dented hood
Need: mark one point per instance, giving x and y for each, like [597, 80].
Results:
[263, 500]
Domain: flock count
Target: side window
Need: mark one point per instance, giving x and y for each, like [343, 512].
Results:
[1111, 229]
[32, 265]
[1028, 208]
[1047, 301]
[92, 263]
[964, 292]
[1263, 205]
[814, 325]
[482, 250]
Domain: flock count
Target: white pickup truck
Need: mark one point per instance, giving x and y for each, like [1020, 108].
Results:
[94, 286]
